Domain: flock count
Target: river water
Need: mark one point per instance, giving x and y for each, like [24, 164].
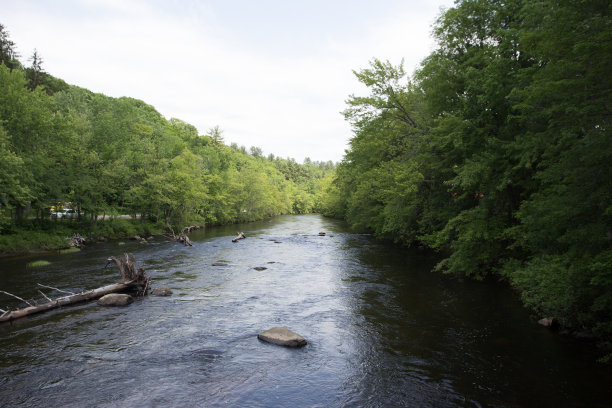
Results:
[383, 331]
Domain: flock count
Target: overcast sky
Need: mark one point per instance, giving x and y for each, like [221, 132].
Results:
[273, 74]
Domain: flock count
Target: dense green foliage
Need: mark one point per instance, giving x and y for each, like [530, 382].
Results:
[497, 153]
[105, 156]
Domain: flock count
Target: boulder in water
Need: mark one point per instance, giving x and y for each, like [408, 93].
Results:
[282, 336]
[115, 299]
[161, 291]
[549, 322]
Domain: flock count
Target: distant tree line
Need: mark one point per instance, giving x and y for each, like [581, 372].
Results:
[497, 153]
[64, 144]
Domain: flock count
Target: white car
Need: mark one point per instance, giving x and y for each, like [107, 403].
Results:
[65, 213]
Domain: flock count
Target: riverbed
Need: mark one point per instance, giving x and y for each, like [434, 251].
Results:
[382, 330]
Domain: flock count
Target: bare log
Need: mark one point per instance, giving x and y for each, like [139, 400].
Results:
[192, 228]
[67, 300]
[239, 237]
[131, 278]
[77, 241]
[182, 237]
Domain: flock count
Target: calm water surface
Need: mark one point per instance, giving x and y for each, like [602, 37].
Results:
[382, 330]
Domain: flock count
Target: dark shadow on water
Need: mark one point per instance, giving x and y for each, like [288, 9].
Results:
[382, 329]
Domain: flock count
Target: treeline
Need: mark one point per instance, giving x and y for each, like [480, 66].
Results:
[497, 152]
[108, 156]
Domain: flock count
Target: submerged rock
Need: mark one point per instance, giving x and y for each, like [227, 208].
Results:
[161, 291]
[282, 336]
[260, 268]
[115, 299]
[584, 335]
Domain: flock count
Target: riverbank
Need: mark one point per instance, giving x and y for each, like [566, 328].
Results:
[32, 237]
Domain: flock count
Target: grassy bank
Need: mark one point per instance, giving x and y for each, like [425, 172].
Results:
[33, 236]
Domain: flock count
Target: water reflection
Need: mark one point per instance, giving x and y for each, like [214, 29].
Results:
[382, 330]
[429, 340]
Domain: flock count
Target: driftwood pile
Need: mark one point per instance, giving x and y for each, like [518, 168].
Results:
[77, 241]
[182, 236]
[131, 278]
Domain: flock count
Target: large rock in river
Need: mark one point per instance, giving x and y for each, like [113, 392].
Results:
[161, 291]
[115, 299]
[282, 337]
[549, 322]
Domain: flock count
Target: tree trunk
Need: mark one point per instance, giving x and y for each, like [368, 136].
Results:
[67, 300]
[131, 278]
[239, 237]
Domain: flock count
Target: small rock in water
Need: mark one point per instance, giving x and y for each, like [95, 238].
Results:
[219, 264]
[115, 299]
[260, 268]
[549, 322]
[282, 336]
[161, 291]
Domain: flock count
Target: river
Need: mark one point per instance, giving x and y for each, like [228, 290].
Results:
[382, 330]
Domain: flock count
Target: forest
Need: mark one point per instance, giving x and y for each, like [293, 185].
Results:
[497, 153]
[62, 146]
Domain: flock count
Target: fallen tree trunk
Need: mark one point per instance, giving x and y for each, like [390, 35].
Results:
[239, 236]
[130, 279]
[67, 300]
[192, 228]
[182, 237]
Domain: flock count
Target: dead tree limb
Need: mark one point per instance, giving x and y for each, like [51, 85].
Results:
[66, 300]
[16, 297]
[45, 296]
[59, 290]
[239, 237]
[182, 237]
[127, 268]
[77, 241]
[131, 278]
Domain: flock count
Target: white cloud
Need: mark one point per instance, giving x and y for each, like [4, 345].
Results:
[193, 62]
